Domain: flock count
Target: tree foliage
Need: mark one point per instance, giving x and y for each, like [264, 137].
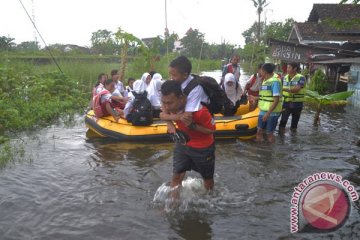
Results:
[193, 42]
[350, 1]
[127, 40]
[278, 30]
[102, 41]
[6, 43]
[318, 82]
[28, 46]
[320, 101]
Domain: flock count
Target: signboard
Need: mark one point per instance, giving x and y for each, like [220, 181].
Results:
[291, 52]
[286, 53]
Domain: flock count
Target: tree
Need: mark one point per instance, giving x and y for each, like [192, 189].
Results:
[169, 41]
[102, 42]
[6, 43]
[259, 5]
[353, 1]
[318, 82]
[334, 99]
[193, 42]
[250, 34]
[28, 46]
[278, 30]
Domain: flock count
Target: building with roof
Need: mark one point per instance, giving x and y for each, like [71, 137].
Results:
[329, 39]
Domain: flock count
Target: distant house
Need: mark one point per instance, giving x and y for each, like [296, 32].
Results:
[148, 41]
[72, 47]
[346, 75]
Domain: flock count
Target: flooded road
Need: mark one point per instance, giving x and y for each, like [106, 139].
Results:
[80, 188]
[70, 186]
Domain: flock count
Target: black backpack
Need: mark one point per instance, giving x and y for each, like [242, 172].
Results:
[142, 111]
[212, 89]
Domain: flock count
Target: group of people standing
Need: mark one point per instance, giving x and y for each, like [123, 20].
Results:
[279, 97]
[175, 103]
[274, 95]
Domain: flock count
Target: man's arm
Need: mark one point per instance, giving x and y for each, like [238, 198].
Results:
[113, 112]
[296, 88]
[205, 123]
[120, 99]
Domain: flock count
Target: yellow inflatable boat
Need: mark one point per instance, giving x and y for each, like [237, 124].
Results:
[243, 127]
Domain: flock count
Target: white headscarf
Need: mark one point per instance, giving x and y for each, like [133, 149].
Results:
[139, 86]
[143, 78]
[154, 94]
[232, 93]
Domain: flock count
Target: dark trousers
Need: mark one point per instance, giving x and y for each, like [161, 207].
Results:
[295, 116]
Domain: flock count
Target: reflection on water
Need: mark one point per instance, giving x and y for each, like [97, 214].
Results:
[191, 226]
[81, 188]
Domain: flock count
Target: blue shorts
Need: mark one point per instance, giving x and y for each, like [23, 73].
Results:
[269, 125]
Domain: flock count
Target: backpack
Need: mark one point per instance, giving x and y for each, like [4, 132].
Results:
[98, 110]
[142, 111]
[211, 88]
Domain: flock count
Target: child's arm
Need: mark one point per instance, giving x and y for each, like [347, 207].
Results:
[112, 111]
[205, 123]
[202, 129]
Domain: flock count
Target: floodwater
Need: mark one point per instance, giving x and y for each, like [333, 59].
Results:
[71, 186]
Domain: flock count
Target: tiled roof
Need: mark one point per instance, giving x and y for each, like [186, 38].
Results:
[327, 13]
[334, 11]
[320, 26]
[310, 31]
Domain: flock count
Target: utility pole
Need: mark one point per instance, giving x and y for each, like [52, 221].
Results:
[166, 34]
[33, 18]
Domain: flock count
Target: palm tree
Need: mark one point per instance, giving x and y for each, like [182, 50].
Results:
[333, 99]
[259, 5]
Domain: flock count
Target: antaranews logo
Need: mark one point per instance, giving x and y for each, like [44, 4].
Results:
[321, 203]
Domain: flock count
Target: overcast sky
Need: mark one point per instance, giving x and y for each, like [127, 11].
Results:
[74, 21]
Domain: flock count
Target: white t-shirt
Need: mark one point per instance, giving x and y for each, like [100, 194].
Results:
[116, 93]
[120, 86]
[129, 104]
[99, 88]
[105, 97]
[195, 97]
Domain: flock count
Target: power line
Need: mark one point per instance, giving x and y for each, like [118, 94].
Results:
[46, 46]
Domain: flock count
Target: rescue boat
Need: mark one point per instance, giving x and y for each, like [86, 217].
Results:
[243, 126]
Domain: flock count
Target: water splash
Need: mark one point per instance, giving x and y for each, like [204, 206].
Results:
[179, 198]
